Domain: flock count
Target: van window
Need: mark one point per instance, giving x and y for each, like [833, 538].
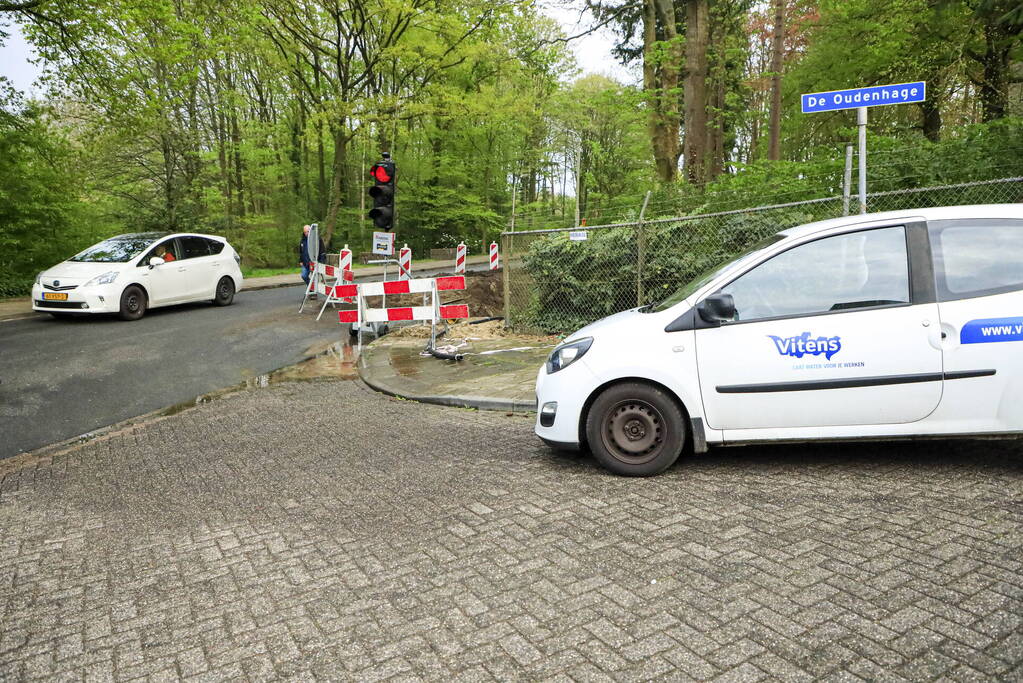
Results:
[846, 272]
[978, 257]
[168, 251]
[195, 247]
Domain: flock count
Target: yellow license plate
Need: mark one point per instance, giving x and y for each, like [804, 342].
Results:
[55, 296]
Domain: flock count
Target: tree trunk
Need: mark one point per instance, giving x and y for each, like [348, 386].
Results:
[584, 167]
[777, 52]
[660, 82]
[931, 119]
[994, 86]
[337, 183]
[695, 91]
[170, 200]
[236, 146]
[716, 145]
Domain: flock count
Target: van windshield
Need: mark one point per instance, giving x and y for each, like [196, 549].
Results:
[711, 273]
[115, 250]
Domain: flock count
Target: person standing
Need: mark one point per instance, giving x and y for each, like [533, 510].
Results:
[306, 260]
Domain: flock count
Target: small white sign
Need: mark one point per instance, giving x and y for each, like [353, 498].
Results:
[577, 235]
[383, 243]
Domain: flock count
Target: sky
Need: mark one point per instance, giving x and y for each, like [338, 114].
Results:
[593, 52]
[14, 64]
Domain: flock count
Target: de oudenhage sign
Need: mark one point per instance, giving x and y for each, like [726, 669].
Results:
[899, 93]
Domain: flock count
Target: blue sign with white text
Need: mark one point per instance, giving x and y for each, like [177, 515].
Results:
[878, 95]
[989, 330]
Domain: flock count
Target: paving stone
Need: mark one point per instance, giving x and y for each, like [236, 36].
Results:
[320, 530]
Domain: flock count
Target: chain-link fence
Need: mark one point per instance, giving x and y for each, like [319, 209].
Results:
[555, 284]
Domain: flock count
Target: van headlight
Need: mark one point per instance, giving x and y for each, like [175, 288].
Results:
[104, 279]
[565, 355]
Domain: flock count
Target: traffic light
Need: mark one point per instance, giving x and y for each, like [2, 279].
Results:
[382, 193]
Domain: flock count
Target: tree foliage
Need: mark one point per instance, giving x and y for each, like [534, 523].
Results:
[251, 118]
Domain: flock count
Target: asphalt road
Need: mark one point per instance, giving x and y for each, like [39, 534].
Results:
[62, 378]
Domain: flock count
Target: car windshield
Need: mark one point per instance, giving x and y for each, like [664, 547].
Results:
[116, 249]
[711, 273]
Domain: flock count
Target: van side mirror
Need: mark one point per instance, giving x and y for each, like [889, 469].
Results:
[717, 308]
[155, 261]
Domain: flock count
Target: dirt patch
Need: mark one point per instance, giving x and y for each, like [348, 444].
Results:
[492, 329]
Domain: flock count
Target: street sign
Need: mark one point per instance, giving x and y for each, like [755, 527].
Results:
[875, 96]
[383, 243]
[859, 99]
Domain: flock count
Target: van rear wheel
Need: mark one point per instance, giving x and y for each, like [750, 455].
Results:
[225, 292]
[635, 429]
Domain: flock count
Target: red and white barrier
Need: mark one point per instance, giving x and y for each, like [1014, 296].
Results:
[405, 263]
[318, 274]
[345, 258]
[495, 259]
[330, 291]
[460, 258]
[433, 312]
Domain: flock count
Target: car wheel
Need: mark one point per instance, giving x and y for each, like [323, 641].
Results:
[225, 292]
[635, 429]
[133, 303]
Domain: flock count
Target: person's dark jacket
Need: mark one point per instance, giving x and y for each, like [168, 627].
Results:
[303, 251]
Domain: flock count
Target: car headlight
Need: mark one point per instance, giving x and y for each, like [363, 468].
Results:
[39, 278]
[563, 356]
[104, 279]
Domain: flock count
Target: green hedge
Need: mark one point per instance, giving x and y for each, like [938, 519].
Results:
[15, 285]
[575, 283]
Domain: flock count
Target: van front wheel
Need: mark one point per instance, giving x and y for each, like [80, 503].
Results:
[635, 429]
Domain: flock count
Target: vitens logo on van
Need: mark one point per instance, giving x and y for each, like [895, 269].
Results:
[803, 345]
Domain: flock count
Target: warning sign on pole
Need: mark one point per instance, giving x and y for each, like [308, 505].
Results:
[383, 243]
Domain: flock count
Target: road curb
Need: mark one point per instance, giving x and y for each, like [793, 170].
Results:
[454, 401]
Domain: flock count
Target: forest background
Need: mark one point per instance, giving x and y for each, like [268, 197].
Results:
[251, 117]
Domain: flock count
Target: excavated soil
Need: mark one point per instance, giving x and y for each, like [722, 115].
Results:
[492, 329]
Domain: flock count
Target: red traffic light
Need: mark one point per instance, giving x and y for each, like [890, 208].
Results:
[380, 173]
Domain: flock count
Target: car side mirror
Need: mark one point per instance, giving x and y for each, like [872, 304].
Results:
[717, 308]
[155, 261]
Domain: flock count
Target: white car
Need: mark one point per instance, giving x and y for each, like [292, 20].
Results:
[130, 274]
[879, 326]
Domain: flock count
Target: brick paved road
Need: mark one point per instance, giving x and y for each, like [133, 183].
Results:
[319, 530]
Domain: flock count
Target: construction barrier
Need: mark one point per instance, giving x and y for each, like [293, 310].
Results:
[433, 312]
[495, 260]
[318, 275]
[460, 258]
[330, 292]
[405, 263]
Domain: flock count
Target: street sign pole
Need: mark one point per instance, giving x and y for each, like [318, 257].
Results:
[861, 123]
[860, 99]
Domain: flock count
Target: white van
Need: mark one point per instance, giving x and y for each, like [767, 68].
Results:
[877, 326]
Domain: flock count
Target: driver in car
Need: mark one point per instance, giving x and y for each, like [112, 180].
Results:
[161, 252]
